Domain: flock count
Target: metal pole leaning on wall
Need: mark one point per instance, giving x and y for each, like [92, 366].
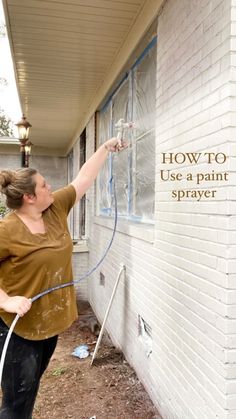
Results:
[123, 269]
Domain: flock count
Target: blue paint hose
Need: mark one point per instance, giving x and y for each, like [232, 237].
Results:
[57, 287]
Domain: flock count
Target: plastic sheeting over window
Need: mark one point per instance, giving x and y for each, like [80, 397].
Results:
[104, 132]
[144, 92]
[134, 168]
[120, 109]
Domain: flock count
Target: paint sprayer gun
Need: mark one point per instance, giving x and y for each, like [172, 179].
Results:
[120, 126]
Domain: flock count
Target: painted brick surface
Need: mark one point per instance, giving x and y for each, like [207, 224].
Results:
[80, 267]
[10, 161]
[54, 169]
[194, 235]
[182, 283]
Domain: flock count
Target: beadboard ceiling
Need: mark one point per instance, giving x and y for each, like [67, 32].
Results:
[63, 52]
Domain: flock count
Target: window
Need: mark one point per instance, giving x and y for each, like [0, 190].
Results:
[82, 202]
[77, 217]
[134, 168]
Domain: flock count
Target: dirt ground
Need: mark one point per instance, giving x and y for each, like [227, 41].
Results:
[72, 388]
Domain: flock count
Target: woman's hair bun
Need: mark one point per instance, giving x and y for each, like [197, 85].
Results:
[6, 178]
[14, 184]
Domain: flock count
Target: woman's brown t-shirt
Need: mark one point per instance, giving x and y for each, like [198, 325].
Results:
[31, 263]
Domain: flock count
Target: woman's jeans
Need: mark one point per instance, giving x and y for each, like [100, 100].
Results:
[25, 362]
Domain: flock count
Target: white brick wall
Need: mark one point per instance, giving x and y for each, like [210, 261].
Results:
[181, 278]
[192, 238]
[182, 283]
[80, 268]
[230, 352]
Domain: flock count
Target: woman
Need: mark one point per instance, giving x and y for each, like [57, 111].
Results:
[35, 254]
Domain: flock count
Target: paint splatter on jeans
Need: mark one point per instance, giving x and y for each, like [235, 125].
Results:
[26, 361]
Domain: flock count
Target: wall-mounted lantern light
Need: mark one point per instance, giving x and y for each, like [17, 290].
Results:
[25, 145]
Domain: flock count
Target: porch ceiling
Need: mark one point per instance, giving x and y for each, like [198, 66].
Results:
[63, 52]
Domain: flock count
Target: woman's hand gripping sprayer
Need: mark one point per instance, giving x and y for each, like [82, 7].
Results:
[121, 126]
